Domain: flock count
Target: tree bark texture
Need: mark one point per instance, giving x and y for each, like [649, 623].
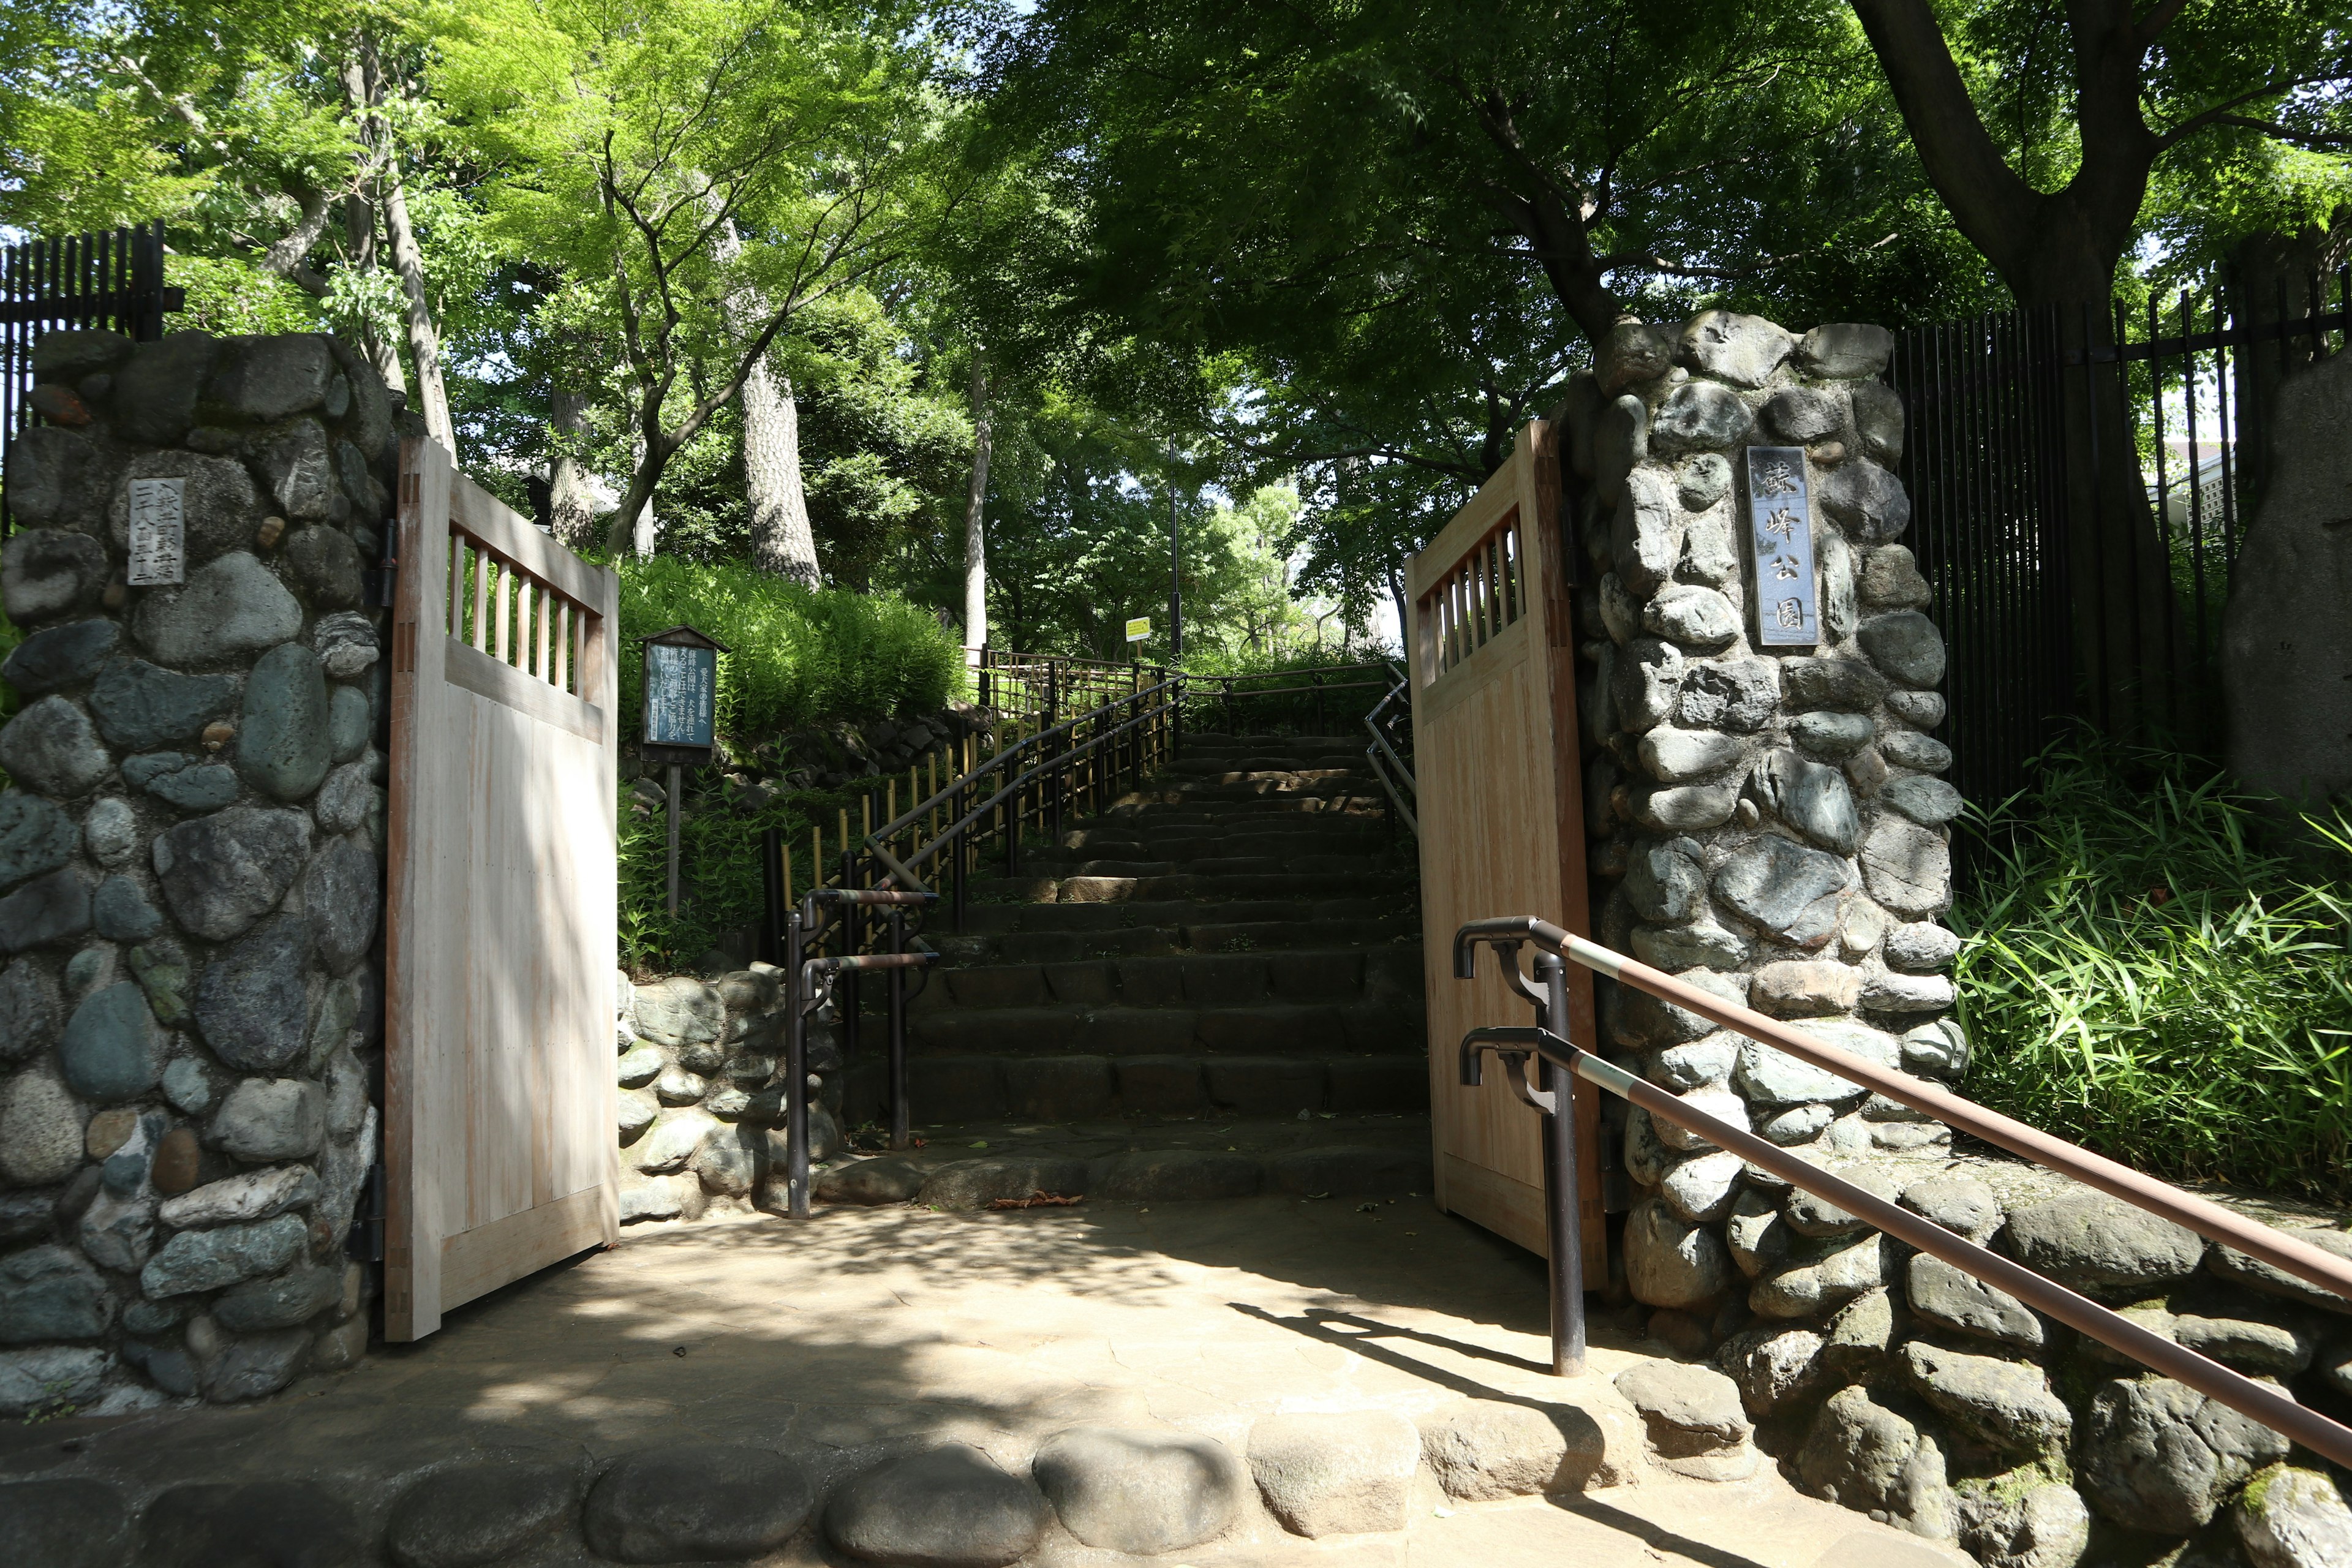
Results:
[570, 507]
[432, 400]
[975, 506]
[363, 89]
[781, 539]
[2060, 248]
[644, 527]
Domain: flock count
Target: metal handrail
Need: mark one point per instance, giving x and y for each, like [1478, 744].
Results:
[1380, 748]
[1549, 1045]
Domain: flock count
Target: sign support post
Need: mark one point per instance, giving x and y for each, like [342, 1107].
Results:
[681, 717]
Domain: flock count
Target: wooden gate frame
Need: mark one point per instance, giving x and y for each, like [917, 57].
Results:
[500, 954]
[1499, 772]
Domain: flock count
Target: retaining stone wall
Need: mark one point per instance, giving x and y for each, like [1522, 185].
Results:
[702, 1094]
[1769, 825]
[191, 851]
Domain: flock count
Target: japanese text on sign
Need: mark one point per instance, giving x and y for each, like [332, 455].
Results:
[681, 695]
[159, 532]
[1139, 629]
[1781, 531]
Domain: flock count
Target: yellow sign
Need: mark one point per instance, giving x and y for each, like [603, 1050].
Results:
[1139, 629]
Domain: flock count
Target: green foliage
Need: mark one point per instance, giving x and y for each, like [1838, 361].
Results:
[2149, 971]
[801, 655]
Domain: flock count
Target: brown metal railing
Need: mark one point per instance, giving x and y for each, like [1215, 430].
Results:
[1547, 1043]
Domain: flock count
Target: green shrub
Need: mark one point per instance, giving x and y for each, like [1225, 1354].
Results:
[799, 655]
[2150, 969]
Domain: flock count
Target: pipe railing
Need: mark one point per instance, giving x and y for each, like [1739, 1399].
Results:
[1033, 781]
[1546, 1042]
[1388, 765]
[1226, 695]
[810, 983]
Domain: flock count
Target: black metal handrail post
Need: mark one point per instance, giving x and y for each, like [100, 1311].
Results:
[1563, 1218]
[772, 878]
[901, 1132]
[796, 1120]
[852, 921]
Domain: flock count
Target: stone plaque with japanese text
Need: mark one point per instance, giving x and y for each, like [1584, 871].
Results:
[1781, 531]
[159, 532]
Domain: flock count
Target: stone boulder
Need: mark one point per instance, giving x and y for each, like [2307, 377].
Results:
[471, 1515]
[1693, 1414]
[2008, 1405]
[1864, 1456]
[1339, 1474]
[2103, 1246]
[2159, 1457]
[2043, 1525]
[2292, 1518]
[696, 1502]
[948, 1508]
[1669, 1262]
[1485, 1450]
[1141, 1493]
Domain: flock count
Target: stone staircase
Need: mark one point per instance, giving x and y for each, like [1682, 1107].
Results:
[1238, 942]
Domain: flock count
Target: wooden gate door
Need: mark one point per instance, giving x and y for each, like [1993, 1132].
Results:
[1501, 803]
[499, 1096]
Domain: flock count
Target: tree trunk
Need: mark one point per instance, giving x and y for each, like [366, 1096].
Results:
[432, 399]
[359, 230]
[2130, 658]
[572, 511]
[975, 528]
[781, 539]
[424, 337]
[644, 527]
[364, 90]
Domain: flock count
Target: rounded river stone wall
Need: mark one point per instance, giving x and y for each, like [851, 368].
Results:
[1770, 825]
[190, 871]
[702, 1093]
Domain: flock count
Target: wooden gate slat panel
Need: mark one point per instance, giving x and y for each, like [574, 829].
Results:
[499, 1089]
[1491, 644]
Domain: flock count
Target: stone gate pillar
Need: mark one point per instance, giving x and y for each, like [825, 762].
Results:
[191, 868]
[1765, 816]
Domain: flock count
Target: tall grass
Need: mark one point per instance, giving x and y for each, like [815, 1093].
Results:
[2152, 968]
[799, 655]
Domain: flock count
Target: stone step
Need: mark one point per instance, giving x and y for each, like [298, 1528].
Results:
[1370, 1027]
[1201, 741]
[1195, 840]
[1214, 802]
[1187, 980]
[1320, 882]
[1228, 770]
[1076, 1087]
[1146, 1174]
[996, 920]
[1233, 936]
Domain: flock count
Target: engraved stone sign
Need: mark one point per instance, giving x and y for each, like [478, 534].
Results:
[1780, 528]
[159, 532]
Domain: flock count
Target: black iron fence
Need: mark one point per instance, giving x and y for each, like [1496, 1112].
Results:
[1988, 456]
[1984, 464]
[113, 281]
